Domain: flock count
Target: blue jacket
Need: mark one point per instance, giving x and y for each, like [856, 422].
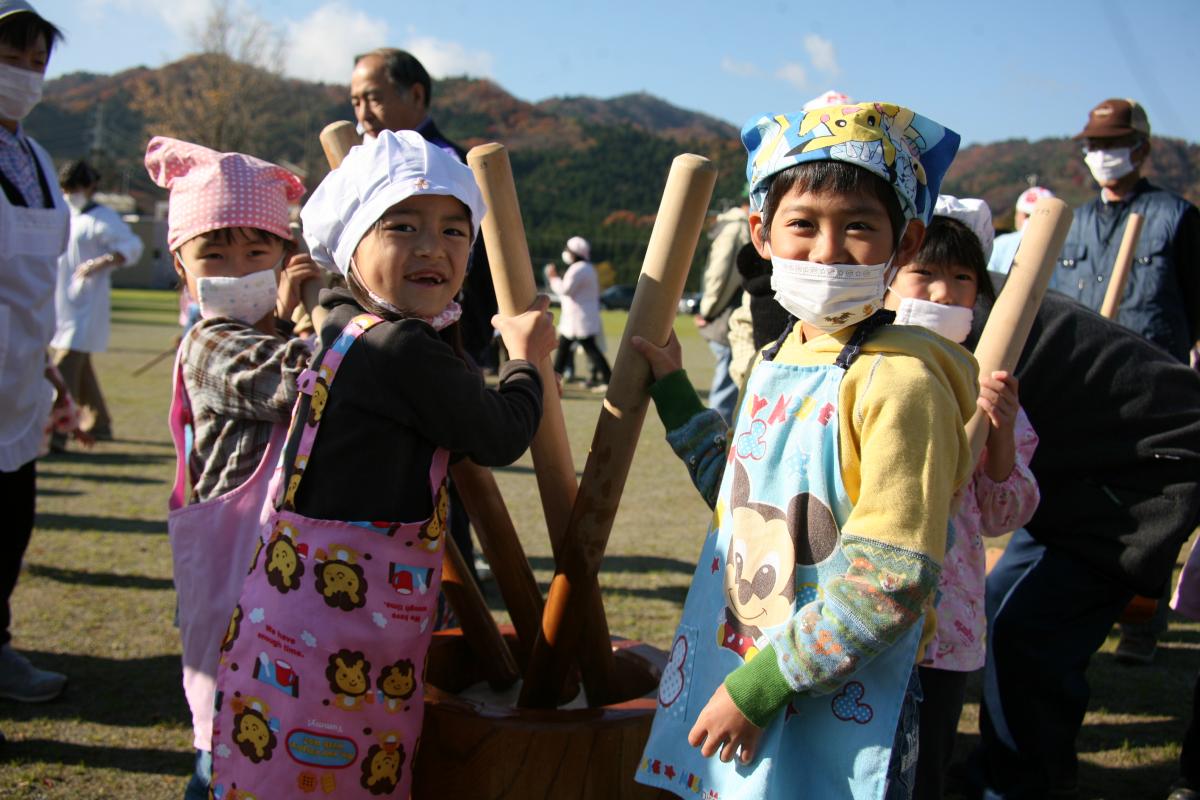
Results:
[1162, 298]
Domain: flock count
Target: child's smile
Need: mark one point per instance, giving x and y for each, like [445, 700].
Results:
[415, 257]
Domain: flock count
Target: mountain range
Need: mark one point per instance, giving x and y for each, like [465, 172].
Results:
[582, 165]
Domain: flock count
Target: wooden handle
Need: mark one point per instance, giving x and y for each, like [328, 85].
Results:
[1008, 326]
[502, 548]
[478, 626]
[336, 140]
[554, 468]
[512, 275]
[668, 260]
[1120, 273]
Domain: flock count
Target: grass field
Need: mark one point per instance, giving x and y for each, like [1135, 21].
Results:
[96, 600]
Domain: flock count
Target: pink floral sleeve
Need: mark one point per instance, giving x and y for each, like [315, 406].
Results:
[1009, 504]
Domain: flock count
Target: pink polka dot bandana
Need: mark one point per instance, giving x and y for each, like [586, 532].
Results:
[211, 190]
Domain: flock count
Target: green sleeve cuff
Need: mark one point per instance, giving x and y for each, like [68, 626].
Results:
[758, 687]
[675, 399]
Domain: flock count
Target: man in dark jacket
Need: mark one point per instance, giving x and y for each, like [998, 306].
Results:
[1118, 467]
[1162, 297]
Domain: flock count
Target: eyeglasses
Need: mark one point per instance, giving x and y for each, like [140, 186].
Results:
[1093, 145]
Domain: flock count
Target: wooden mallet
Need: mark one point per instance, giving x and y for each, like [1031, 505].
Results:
[512, 275]
[1121, 267]
[668, 258]
[479, 627]
[1008, 326]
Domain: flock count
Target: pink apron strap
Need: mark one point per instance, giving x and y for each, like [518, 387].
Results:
[314, 381]
[179, 418]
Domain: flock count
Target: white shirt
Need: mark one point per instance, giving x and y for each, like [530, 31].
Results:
[82, 307]
[579, 292]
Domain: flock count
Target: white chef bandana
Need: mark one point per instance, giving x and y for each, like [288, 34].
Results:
[972, 212]
[373, 177]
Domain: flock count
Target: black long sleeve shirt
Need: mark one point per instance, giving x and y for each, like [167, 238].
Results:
[400, 393]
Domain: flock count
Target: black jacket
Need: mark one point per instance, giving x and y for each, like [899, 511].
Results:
[1118, 464]
[400, 392]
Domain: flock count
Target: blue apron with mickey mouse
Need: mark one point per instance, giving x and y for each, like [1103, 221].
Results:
[781, 507]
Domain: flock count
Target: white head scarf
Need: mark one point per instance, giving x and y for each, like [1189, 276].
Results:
[375, 176]
[972, 212]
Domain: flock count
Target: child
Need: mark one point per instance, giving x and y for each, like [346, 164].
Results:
[797, 649]
[938, 290]
[234, 386]
[320, 683]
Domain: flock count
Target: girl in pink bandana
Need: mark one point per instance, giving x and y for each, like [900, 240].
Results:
[234, 387]
[320, 683]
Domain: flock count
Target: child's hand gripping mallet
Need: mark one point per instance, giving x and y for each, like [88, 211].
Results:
[668, 259]
[1008, 326]
[481, 632]
[512, 275]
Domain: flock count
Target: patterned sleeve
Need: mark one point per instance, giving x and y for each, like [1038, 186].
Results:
[239, 372]
[911, 445]
[1009, 504]
[698, 435]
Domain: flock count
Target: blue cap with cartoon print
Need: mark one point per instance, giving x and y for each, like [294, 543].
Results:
[910, 152]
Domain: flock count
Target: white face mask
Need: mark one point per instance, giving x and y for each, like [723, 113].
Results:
[77, 200]
[1109, 165]
[829, 296]
[20, 91]
[951, 322]
[246, 299]
[568, 257]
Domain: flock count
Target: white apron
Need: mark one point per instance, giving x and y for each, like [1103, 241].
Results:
[30, 242]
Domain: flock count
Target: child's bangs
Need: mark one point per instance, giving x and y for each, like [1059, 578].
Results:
[241, 235]
[951, 243]
[838, 177]
[392, 209]
[23, 31]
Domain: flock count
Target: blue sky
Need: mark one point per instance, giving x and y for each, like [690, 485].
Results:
[1019, 69]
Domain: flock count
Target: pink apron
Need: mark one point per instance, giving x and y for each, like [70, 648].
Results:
[211, 544]
[320, 689]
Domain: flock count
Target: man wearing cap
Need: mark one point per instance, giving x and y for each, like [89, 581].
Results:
[1162, 298]
[1004, 248]
[34, 221]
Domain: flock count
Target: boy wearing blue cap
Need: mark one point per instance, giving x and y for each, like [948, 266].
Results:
[794, 659]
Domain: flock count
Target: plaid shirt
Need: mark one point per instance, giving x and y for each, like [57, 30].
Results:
[16, 162]
[241, 382]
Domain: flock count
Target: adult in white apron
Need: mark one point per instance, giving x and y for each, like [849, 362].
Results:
[100, 242]
[33, 231]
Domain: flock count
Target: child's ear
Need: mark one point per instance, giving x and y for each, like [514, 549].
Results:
[910, 243]
[759, 234]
